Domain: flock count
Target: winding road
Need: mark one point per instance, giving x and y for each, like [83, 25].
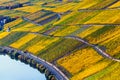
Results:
[90, 10]
[52, 68]
[95, 47]
[91, 24]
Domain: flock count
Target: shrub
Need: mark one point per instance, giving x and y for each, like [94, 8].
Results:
[41, 68]
[47, 73]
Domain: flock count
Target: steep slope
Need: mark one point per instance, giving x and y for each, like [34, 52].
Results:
[93, 21]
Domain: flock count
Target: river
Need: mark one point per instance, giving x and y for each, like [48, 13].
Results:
[15, 70]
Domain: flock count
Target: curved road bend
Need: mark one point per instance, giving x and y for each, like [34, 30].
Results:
[89, 24]
[95, 47]
[98, 49]
[59, 75]
[52, 68]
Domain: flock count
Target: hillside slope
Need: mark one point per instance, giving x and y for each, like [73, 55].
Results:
[95, 21]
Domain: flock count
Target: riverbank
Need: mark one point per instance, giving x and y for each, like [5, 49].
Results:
[51, 72]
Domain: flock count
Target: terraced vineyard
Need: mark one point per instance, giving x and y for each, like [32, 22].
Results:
[42, 17]
[50, 32]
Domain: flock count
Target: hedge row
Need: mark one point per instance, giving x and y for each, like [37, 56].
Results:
[14, 54]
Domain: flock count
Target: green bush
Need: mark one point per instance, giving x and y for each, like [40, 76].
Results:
[41, 68]
[51, 77]
[47, 72]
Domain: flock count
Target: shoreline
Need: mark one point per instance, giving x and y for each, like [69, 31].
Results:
[51, 71]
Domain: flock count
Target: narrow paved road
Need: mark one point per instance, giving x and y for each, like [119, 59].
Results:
[51, 30]
[95, 47]
[91, 10]
[51, 67]
[58, 74]
[91, 24]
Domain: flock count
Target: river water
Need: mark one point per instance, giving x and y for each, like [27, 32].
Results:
[15, 70]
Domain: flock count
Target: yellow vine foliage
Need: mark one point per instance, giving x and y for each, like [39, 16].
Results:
[29, 8]
[4, 1]
[65, 31]
[79, 60]
[65, 17]
[41, 19]
[89, 31]
[114, 74]
[41, 45]
[110, 37]
[39, 3]
[3, 34]
[115, 5]
[23, 40]
[108, 16]
[85, 4]
[13, 23]
[64, 7]
[36, 29]
[29, 27]
[107, 36]
[90, 70]
[3, 11]
[25, 27]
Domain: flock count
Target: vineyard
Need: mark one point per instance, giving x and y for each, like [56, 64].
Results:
[41, 29]
[42, 17]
